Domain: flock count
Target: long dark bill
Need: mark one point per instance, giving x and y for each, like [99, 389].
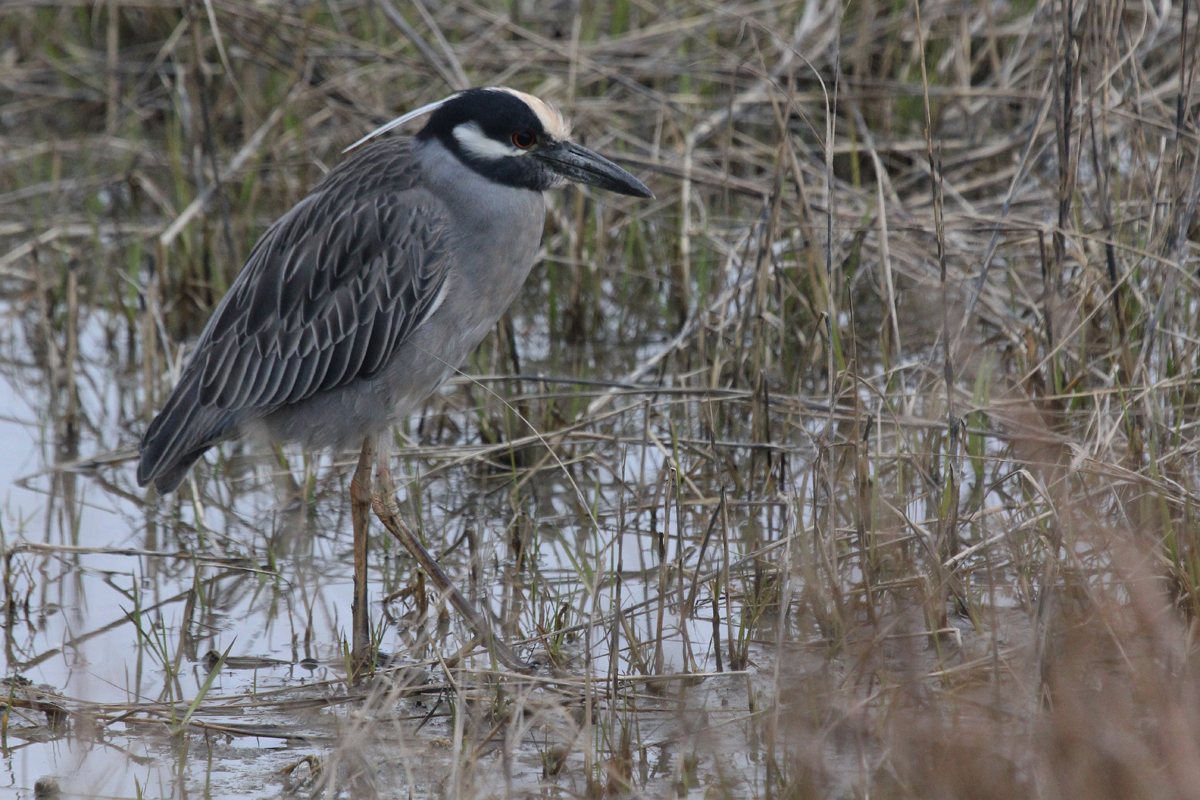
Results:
[577, 163]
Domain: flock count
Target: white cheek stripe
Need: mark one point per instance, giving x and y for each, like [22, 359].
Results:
[472, 139]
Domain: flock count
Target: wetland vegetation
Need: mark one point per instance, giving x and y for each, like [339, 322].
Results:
[862, 462]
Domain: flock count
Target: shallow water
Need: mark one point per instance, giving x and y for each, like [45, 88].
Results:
[116, 597]
[607, 535]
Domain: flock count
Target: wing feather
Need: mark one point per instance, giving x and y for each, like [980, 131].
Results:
[268, 385]
[327, 295]
[288, 375]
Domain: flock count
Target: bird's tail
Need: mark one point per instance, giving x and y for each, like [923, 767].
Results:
[181, 433]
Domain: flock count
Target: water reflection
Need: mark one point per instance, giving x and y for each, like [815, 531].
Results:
[118, 600]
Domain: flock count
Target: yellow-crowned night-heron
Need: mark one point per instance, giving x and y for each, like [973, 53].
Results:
[359, 302]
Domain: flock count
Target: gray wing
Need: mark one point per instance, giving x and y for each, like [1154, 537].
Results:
[327, 295]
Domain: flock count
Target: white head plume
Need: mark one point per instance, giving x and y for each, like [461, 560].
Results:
[552, 121]
[398, 121]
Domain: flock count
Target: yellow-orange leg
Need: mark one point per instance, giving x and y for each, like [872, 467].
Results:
[387, 508]
[360, 516]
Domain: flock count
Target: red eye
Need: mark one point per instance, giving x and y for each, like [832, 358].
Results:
[524, 140]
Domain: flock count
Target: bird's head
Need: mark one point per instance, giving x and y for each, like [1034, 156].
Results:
[516, 139]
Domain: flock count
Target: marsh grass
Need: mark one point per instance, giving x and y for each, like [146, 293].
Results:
[861, 462]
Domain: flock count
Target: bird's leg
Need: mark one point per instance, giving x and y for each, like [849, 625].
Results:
[387, 508]
[360, 515]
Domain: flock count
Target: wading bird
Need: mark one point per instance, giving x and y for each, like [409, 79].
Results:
[358, 303]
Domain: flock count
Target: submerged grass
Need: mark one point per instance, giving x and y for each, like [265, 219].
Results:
[862, 462]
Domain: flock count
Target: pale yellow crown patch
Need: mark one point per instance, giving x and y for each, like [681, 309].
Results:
[551, 118]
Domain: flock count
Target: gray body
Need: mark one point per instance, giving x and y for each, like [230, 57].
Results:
[359, 302]
[497, 232]
[457, 248]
